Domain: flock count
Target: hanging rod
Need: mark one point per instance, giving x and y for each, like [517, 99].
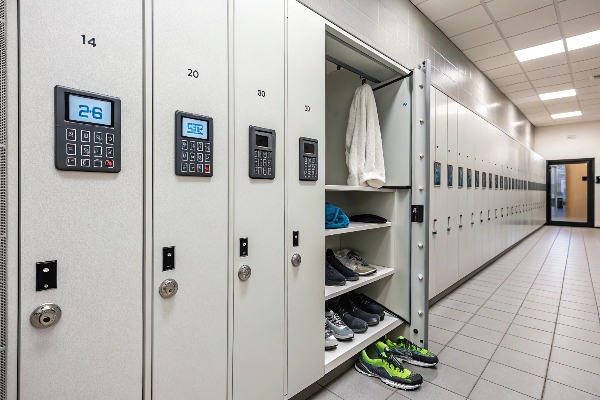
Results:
[394, 80]
[351, 69]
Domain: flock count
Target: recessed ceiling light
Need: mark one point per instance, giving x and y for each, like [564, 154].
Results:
[566, 115]
[542, 50]
[585, 40]
[558, 95]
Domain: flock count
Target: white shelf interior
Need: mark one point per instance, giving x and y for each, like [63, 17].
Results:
[347, 350]
[356, 227]
[334, 291]
[346, 188]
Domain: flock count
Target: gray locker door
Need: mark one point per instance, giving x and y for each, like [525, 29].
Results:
[432, 268]
[463, 226]
[440, 235]
[483, 153]
[90, 222]
[258, 204]
[470, 220]
[478, 211]
[305, 199]
[451, 222]
[191, 213]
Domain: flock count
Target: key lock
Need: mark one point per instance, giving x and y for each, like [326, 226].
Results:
[46, 315]
[168, 288]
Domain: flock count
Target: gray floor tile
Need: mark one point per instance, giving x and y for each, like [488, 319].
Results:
[435, 347]
[574, 332]
[514, 288]
[506, 300]
[534, 323]
[324, 394]
[526, 346]
[588, 316]
[588, 294]
[495, 305]
[308, 392]
[543, 293]
[463, 361]
[427, 391]
[445, 323]
[580, 346]
[578, 306]
[495, 314]
[530, 333]
[448, 378]
[472, 346]
[440, 336]
[458, 305]
[354, 386]
[542, 315]
[451, 313]
[548, 284]
[575, 360]
[539, 306]
[479, 288]
[541, 299]
[545, 288]
[478, 283]
[579, 323]
[576, 299]
[521, 361]
[522, 382]
[477, 332]
[485, 390]
[558, 391]
[573, 377]
[466, 299]
[489, 323]
[510, 293]
[474, 293]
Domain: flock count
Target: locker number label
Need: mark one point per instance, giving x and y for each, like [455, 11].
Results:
[307, 108]
[91, 41]
[261, 93]
[192, 73]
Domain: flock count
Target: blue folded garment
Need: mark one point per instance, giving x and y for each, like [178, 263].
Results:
[335, 217]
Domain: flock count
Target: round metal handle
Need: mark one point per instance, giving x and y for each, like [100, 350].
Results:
[168, 288]
[45, 315]
[296, 260]
[244, 273]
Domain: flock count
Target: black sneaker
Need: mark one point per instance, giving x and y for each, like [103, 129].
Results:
[356, 324]
[365, 304]
[350, 307]
[339, 267]
[332, 277]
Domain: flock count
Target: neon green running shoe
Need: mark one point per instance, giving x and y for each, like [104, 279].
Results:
[387, 368]
[409, 352]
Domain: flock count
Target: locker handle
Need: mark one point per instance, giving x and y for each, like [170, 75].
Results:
[434, 231]
[489, 215]
[472, 221]
[480, 216]
[449, 227]
[460, 225]
[496, 213]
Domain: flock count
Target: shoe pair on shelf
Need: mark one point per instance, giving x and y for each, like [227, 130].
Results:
[345, 318]
[345, 265]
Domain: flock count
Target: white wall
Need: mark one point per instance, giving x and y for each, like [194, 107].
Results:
[551, 143]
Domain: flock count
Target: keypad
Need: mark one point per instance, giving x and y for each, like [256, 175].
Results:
[263, 160]
[80, 152]
[310, 167]
[195, 156]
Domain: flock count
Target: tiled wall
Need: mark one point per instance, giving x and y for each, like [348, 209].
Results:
[399, 30]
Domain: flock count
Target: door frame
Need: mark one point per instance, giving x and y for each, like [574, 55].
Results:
[590, 193]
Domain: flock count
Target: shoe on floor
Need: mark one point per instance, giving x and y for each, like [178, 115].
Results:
[387, 368]
[352, 309]
[352, 260]
[356, 324]
[339, 267]
[339, 329]
[332, 277]
[330, 342]
[365, 304]
[409, 352]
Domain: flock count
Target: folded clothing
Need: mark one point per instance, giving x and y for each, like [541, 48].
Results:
[376, 219]
[335, 217]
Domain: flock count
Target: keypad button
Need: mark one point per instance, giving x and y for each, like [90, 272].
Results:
[110, 138]
[192, 145]
[97, 163]
[98, 137]
[85, 150]
[109, 163]
[72, 134]
[71, 161]
[85, 136]
[200, 146]
[207, 147]
[97, 151]
[71, 149]
[192, 156]
[184, 145]
[110, 152]
[200, 167]
[207, 168]
[207, 157]
[86, 162]
[200, 157]
[184, 156]
[184, 167]
[192, 167]
[269, 171]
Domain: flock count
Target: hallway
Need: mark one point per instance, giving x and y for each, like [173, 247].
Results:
[525, 327]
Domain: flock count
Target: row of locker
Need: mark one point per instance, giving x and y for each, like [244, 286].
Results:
[495, 198]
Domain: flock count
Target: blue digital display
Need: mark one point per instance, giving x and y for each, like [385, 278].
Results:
[93, 111]
[194, 128]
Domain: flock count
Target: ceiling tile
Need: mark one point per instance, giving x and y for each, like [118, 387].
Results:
[503, 9]
[589, 102]
[537, 114]
[534, 38]
[515, 87]
[590, 107]
[521, 94]
[507, 70]
[509, 80]
[588, 96]
[566, 107]
[536, 104]
[476, 37]
[545, 62]
[581, 25]
[524, 100]
[438, 9]
[587, 83]
[585, 75]
[415, 2]
[470, 19]
[542, 121]
[555, 80]
[562, 100]
[572, 9]
[548, 72]
[487, 50]
[496, 62]
[594, 117]
[533, 110]
[592, 63]
[555, 88]
[589, 89]
[529, 21]
[585, 53]
[570, 120]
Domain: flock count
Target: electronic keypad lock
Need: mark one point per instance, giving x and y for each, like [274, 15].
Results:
[193, 145]
[309, 159]
[262, 153]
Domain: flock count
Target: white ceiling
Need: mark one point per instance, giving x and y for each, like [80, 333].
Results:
[490, 31]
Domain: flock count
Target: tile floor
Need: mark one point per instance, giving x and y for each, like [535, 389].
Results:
[525, 327]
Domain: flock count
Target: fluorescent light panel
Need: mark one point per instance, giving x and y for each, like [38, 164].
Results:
[542, 50]
[558, 95]
[585, 40]
[566, 115]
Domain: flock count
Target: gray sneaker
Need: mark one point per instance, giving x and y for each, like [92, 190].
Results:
[330, 342]
[337, 326]
[353, 261]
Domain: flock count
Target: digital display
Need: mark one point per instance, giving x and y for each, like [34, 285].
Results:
[87, 109]
[194, 128]
[262, 141]
[309, 148]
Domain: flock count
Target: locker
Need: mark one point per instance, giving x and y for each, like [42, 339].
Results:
[440, 232]
[470, 221]
[465, 247]
[91, 223]
[489, 217]
[258, 301]
[478, 210]
[497, 193]
[433, 197]
[452, 219]
[190, 213]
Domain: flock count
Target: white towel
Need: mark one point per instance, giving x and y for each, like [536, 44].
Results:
[364, 152]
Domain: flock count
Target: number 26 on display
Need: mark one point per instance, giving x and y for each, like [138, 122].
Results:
[84, 111]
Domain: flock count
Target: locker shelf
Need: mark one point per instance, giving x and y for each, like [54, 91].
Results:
[347, 350]
[356, 227]
[346, 188]
[334, 291]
